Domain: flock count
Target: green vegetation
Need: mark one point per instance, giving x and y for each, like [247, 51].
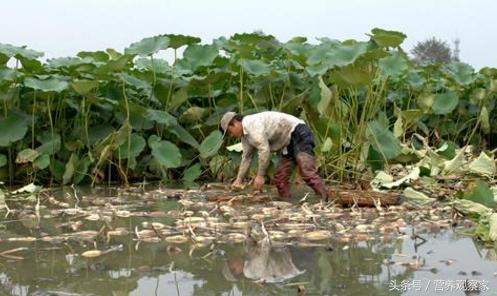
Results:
[130, 116]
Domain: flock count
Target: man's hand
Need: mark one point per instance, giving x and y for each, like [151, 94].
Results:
[237, 185]
[259, 183]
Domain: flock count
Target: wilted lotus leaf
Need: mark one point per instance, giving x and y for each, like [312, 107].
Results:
[236, 237]
[281, 204]
[317, 235]
[21, 239]
[119, 231]
[296, 226]
[123, 214]
[176, 239]
[203, 239]
[92, 253]
[93, 217]
[277, 235]
[240, 224]
[146, 233]
[83, 235]
[152, 239]
[193, 220]
[53, 239]
[363, 228]
[186, 203]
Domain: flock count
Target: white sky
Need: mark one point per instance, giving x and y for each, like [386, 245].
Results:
[65, 27]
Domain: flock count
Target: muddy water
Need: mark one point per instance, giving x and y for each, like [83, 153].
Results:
[39, 257]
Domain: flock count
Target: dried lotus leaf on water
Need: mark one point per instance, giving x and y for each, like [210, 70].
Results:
[123, 214]
[203, 239]
[192, 220]
[277, 235]
[22, 239]
[240, 224]
[317, 235]
[281, 204]
[152, 239]
[92, 253]
[236, 237]
[176, 239]
[144, 233]
[296, 226]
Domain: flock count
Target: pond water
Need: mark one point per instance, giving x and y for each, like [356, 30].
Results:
[40, 257]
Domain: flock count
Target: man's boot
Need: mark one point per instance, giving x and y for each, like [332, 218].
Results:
[310, 174]
[282, 177]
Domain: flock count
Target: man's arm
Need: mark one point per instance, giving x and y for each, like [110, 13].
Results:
[247, 154]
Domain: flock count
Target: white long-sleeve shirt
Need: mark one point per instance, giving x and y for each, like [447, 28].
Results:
[267, 132]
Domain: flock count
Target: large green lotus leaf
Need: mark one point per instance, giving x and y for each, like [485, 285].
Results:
[3, 61]
[9, 93]
[81, 169]
[121, 63]
[70, 168]
[96, 56]
[176, 41]
[352, 76]
[326, 96]
[344, 55]
[184, 136]
[3, 160]
[161, 117]
[462, 73]
[16, 51]
[68, 62]
[297, 48]
[136, 146]
[200, 55]
[166, 153]
[255, 67]
[155, 65]
[148, 46]
[83, 87]
[13, 128]
[8, 74]
[178, 98]
[27, 155]
[481, 193]
[317, 69]
[211, 144]
[384, 38]
[415, 79]
[393, 65]
[445, 103]
[192, 173]
[135, 82]
[51, 84]
[42, 162]
[383, 140]
[317, 54]
[252, 38]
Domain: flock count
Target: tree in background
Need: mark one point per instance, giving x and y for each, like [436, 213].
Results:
[432, 51]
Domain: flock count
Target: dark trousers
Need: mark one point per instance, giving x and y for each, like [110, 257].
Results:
[300, 152]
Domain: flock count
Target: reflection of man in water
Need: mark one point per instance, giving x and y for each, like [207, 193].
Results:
[262, 262]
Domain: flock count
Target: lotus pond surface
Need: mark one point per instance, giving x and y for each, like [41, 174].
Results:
[158, 241]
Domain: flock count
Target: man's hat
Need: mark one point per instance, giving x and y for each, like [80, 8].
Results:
[226, 119]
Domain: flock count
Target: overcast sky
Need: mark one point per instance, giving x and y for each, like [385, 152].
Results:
[65, 27]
